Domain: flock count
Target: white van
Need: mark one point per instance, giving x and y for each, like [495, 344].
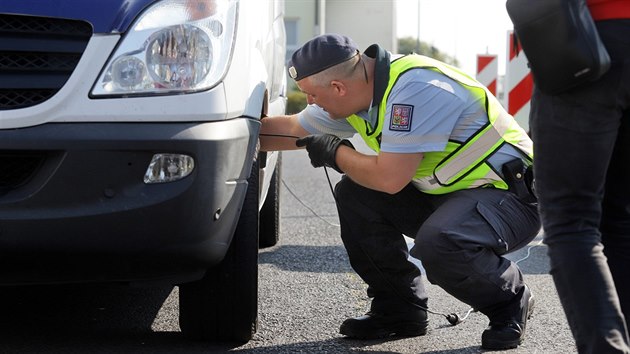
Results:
[128, 148]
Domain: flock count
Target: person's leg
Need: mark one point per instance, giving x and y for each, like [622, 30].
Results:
[372, 225]
[615, 225]
[574, 135]
[461, 244]
[460, 247]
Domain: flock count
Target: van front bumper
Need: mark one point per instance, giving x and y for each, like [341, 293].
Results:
[79, 210]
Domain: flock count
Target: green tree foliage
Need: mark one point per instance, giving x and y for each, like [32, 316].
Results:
[408, 45]
[296, 101]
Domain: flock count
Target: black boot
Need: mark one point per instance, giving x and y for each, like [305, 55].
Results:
[507, 328]
[379, 325]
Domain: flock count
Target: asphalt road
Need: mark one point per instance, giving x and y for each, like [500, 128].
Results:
[307, 289]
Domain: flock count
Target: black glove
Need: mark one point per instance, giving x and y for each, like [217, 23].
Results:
[322, 149]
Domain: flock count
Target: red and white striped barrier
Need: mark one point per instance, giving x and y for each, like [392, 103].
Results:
[488, 71]
[519, 84]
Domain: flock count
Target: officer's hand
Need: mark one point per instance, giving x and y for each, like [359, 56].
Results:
[322, 149]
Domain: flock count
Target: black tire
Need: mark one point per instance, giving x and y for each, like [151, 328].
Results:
[223, 306]
[270, 212]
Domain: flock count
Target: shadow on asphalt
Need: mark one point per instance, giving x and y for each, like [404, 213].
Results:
[108, 319]
[79, 307]
[344, 345]
[77, 318]
[308, 258]
[294, 258]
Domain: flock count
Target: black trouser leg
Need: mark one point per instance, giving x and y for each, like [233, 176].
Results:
[581, 142]
[461, 246]
[372, 225]
[615, 224]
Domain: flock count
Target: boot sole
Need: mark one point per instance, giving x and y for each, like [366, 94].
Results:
[401, 330]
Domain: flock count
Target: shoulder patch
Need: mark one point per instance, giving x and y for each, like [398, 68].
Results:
[401, 117]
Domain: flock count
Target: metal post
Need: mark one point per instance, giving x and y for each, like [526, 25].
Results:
[418, 36]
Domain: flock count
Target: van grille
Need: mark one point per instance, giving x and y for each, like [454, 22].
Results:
[37, 56]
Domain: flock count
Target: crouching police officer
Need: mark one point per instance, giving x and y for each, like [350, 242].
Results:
[448, 170]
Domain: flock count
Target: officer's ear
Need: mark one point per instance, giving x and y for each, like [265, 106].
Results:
[340, 88]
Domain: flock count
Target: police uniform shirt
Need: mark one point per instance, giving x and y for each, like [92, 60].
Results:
[424, 110]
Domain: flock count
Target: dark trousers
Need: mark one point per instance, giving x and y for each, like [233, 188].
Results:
[460, 238]
[582, 151]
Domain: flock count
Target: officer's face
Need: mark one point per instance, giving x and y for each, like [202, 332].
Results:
[332, 97]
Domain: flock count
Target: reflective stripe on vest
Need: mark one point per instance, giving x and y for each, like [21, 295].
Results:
[462, 164]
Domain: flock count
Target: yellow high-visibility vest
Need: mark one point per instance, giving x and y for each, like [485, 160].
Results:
[460, 165]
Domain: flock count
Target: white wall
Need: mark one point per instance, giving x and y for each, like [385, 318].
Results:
[365, 21]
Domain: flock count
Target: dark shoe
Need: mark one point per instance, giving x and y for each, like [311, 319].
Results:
[377, 325]
[506, 332]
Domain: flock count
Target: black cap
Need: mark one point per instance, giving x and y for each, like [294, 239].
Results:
[321, 53]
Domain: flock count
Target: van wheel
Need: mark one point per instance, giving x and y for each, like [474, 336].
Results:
[270, 212]
[223, 305]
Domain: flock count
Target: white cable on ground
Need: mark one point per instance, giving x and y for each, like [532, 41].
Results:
[529, 249]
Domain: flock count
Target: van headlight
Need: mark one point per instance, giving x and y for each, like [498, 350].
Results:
[174, 46]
